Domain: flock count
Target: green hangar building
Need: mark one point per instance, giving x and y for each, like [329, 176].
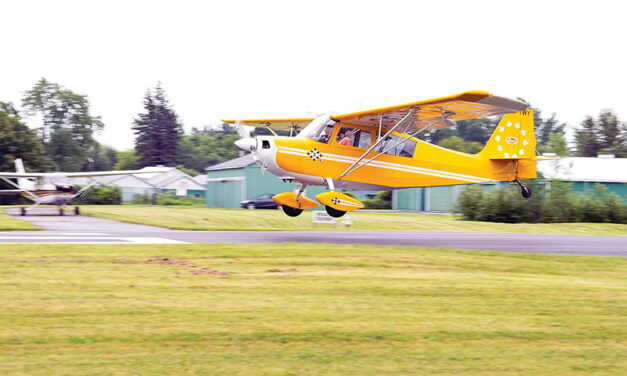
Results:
[240, 179]
[584, 172]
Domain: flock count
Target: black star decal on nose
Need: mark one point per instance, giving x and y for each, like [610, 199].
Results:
[314, 154]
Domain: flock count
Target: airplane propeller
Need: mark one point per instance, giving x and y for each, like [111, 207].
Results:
[246, 142]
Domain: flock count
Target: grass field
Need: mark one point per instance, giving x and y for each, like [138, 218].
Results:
[201, 218]
[308, 310]
[10, 223]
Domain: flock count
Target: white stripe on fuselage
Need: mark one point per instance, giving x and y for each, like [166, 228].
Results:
[388, 165]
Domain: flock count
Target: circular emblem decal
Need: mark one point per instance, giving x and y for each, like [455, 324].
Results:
[511, 140]
[314, 154]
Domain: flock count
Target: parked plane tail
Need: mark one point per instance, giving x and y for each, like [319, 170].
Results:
[23, 183]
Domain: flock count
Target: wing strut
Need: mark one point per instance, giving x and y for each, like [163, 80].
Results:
[354, 166]
[410, 115]
[33, 196]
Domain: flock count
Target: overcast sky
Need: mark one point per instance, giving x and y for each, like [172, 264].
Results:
[232, 59]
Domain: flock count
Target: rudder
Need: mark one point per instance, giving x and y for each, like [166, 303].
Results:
[23, 183]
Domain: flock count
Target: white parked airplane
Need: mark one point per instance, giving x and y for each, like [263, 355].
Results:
[49, 188]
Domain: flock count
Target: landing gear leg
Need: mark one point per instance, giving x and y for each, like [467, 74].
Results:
[22, 211]
[77, 211]
[524, 190]
[300, 191]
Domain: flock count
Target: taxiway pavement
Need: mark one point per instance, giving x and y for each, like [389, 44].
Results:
[91, 230]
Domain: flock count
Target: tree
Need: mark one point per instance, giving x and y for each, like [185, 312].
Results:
[126, 160]
[101, 158]
[19, 141]
[606, 134]
[457, 143]
[157, 131]
[68, 126]
[612, 133]
[199, 151]
[544, 128]
[477, 130]
[558, 144]
[587, 143]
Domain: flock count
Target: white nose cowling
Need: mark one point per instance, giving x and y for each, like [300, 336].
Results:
[246, 144]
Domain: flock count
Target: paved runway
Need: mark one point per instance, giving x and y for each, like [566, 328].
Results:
[92, 230]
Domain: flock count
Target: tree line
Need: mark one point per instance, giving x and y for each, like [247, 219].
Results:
[63, 139]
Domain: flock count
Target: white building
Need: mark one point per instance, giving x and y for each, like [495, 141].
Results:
[170, 180]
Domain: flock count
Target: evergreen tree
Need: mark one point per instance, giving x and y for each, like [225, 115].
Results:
[558, 144]
[157, 131]
[587, 143]
[612, 134]
[606, 134]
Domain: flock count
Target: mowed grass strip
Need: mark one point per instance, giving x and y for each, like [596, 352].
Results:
[10, 223]
[308, 310]
[201, 218]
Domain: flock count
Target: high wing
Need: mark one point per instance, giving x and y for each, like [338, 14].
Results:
[463, 106]
[74, 174]
[275, 124]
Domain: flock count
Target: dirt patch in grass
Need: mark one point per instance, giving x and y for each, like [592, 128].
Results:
[171, 262]
[275, 270]
[195, 269]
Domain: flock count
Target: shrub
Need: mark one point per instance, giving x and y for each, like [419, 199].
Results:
[555, 203]
[100, 196]
[383, 200]
[469, 202]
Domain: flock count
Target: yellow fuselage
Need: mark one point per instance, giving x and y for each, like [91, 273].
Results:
[430, 166]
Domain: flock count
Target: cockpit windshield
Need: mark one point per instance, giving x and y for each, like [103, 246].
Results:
[319, 129]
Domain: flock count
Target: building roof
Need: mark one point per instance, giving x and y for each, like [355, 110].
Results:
[130, 181]
[238, 162]
[201, 179]
[171, 178]
[181, 182]
[606, 170]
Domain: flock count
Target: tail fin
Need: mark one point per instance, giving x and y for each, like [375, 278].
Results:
[513, 138]
[23, 183]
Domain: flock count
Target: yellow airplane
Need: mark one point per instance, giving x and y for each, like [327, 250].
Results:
[378, 150]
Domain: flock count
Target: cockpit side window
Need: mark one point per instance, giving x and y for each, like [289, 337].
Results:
[394, 145]
[354, 137]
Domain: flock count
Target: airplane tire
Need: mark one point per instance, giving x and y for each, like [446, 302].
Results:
[61, 211]
[77, 211]
[22, 211]
[525, 191]
[292, 212]
[334, 212]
